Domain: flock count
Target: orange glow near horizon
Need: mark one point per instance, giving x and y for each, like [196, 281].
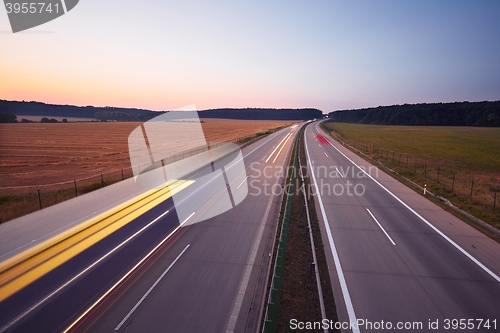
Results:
[55, 87]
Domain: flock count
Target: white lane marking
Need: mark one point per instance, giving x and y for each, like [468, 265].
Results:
[57, 231]
[242, 182]
[279, 152]
[326, 155]
[336, 259]
[43, 300]
[282, 140]
[263, 157]
[477, 262]
[125, 276]
[149, 290]
[340, 173]
[385, 232]
[248, 270]
[187, 219]
[36, 305]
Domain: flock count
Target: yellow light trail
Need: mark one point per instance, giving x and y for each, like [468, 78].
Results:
[28, 266]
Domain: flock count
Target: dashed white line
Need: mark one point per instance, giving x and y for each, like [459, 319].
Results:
[385, 232]
[458, 247]
[149, 290]
[340, 173]
[67, 283]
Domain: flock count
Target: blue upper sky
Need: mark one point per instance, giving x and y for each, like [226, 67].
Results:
[325, 54]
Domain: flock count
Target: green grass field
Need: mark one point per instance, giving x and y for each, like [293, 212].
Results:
[463, 148]
[450, 160]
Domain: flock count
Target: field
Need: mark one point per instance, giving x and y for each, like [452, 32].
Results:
[459, 163]
[51, 157]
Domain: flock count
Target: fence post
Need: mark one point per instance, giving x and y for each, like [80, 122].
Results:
[122, 174]
[76, 192]
[438, 176]
[453, 183]
[407, 162]
[471, 188]
[102, 181]
[495, 200]
[392, 157]
[40, 199]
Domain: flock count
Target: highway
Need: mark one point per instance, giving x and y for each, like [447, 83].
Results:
[155, 274]
[394, 256]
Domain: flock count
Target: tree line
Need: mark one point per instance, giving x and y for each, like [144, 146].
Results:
[425, 114]
[130, 114]
[262, 114]
[12, 118]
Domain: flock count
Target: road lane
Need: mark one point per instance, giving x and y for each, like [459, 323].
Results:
[212, 268]
[201, 293]
[424, 277]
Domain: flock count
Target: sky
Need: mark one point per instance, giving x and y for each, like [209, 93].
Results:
[330, 55]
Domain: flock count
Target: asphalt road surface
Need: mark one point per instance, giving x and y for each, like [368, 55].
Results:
[154, 276]
[395, 258]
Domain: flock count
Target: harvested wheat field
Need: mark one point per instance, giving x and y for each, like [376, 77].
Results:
[40, 156]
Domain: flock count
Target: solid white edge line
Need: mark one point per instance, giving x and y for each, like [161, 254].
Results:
[385, 232]
[43, 300]
[248, 270]
[149, 290]
[187, 219]
[336, 259]
[458, 247]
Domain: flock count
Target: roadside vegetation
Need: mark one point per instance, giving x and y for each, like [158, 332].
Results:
[461, 164]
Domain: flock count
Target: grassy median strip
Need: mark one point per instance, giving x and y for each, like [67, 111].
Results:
[24, 268]
[299, 296]
[294, 295]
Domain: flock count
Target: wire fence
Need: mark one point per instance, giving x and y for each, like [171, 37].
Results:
[16, 201]
[476, 193]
